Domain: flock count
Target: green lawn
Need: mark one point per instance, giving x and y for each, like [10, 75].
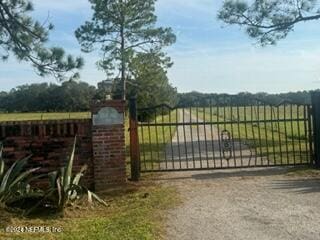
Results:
[43, 116]
[134, 212]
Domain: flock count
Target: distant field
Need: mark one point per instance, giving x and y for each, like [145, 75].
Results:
[43, 116]
[153, 140]
[282, 142]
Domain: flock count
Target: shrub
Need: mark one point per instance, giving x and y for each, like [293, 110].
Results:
[14, 182]
[64, 187]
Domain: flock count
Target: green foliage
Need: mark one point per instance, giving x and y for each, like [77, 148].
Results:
[149, 81]
[65, 187]
[196, 99]
[25, 38]
[70, 96]
[122, 28]
[14, 181]
[268, 21]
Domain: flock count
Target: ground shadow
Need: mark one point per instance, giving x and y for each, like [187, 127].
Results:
[298, 185]
[271, 171]
[217, 174]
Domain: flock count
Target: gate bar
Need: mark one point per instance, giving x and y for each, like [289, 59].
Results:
[315, 98]
[134, 140]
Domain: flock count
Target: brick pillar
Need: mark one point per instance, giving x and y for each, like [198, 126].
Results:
[108, 142]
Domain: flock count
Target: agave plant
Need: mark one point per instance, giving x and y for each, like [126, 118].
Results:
[65, 187]
[14, 181]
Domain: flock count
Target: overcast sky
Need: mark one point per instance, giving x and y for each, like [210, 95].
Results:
[208, 56]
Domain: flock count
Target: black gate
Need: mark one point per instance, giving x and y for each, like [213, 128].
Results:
[221, 133]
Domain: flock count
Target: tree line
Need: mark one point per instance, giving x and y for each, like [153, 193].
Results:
[196, 99]
[74, 96]
[127, 35]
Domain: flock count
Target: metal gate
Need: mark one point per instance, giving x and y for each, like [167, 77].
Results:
[219, 134]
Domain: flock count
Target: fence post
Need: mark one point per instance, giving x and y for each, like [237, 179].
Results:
[315, 99]
[134, 140]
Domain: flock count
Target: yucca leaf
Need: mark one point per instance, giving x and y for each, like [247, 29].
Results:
[52, 178]
[4, 182]
[1, 150]
[68, 173]
[2, 165]
[59, 191]
[31, 179]
[23, 176]
[61, 174]
[89, 197]
[95, 196]
[78, 176]
[19, 166]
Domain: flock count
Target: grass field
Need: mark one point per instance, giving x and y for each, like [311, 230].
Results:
[153, 140]
[278, 134]
[43, 116]
[282, 142]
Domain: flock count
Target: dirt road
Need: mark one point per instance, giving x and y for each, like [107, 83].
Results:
[201, 146]
[264, 204]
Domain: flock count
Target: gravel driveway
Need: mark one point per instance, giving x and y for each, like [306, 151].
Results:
[255, 204]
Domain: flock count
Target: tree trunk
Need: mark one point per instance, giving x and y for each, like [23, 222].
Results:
[123, 64]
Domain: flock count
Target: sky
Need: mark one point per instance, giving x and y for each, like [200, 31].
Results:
[208, 56]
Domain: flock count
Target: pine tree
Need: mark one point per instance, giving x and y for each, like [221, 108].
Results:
[25, 38]
[122, 28]
[269, 21]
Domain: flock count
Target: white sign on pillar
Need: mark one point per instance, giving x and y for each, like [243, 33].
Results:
[107, 116]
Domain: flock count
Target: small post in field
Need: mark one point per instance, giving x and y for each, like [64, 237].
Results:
[134, 140]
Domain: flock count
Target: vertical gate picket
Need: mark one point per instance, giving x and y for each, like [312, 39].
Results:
[315, 98]
[310, 135]
[271, 132]
[134, 140]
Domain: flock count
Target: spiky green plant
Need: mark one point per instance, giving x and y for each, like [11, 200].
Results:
[14, 181]
[65, 187]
